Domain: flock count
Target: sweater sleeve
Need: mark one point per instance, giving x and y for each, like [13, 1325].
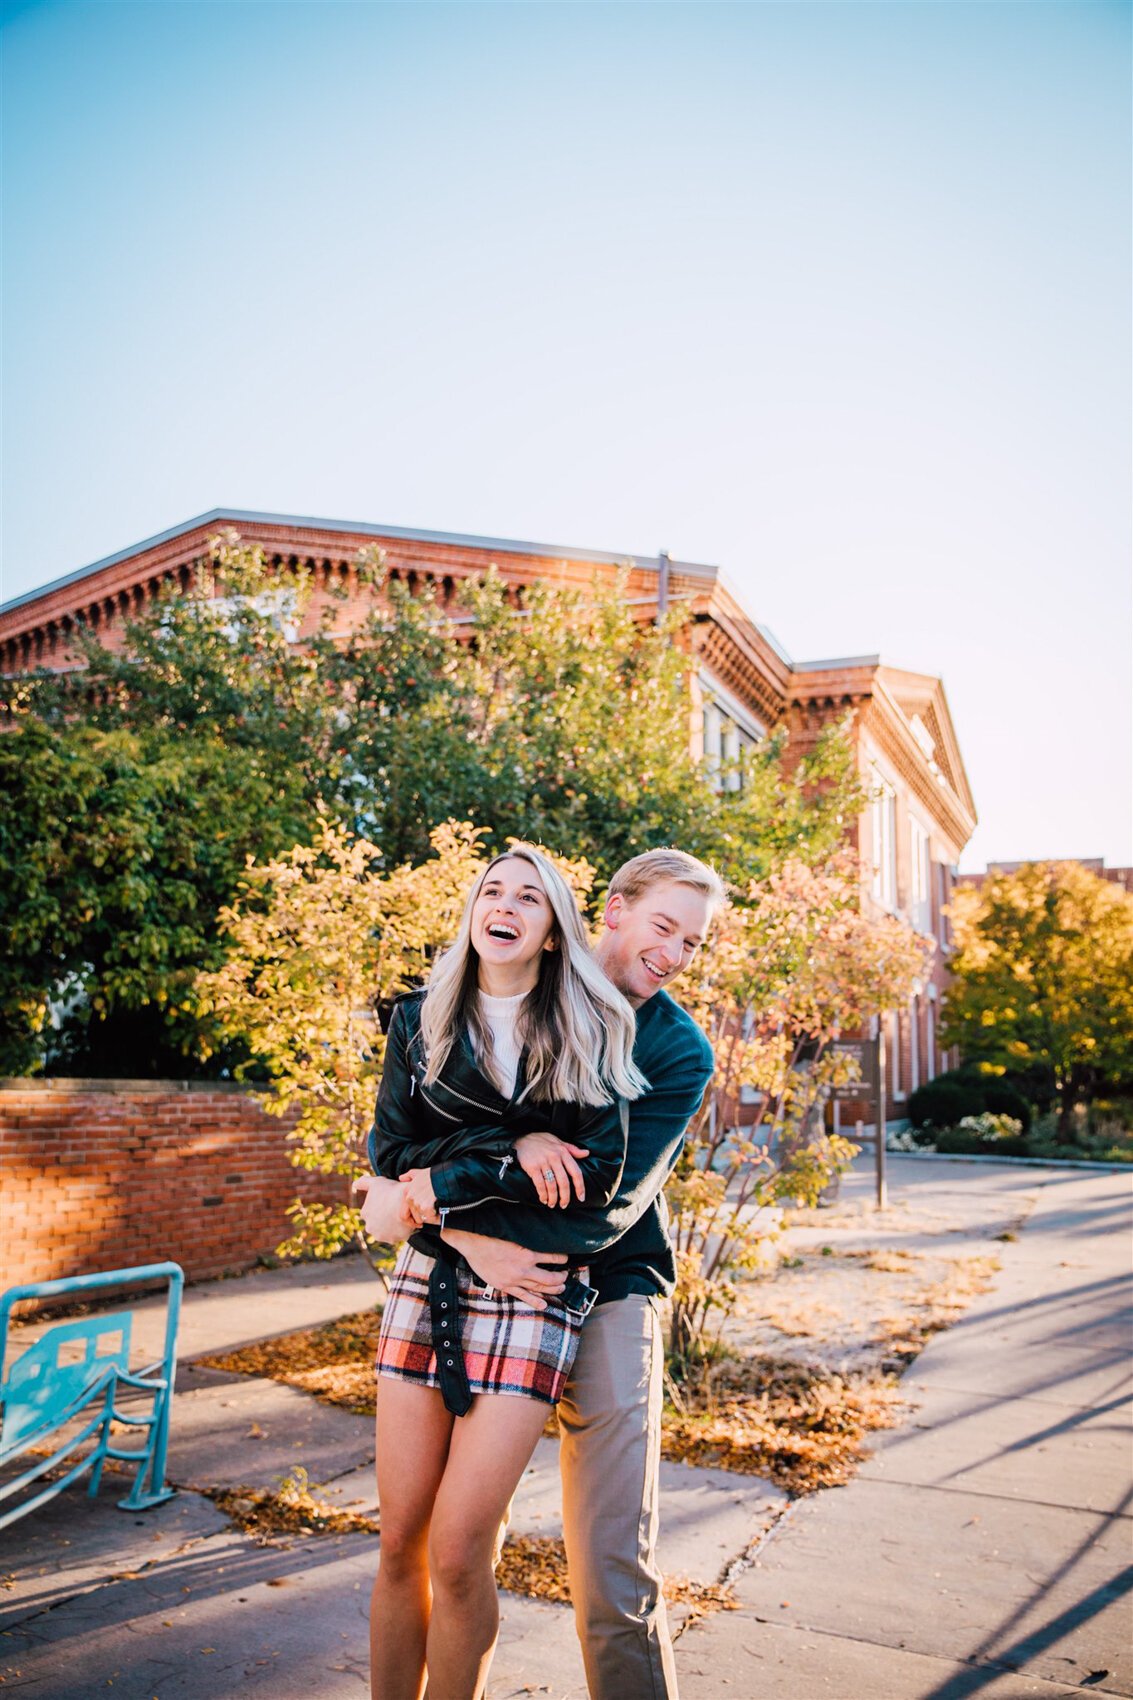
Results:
[468, 1180]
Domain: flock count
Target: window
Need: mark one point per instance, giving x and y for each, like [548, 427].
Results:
[943, 893]
[883, 841]
[713, 740]
[920, 901]
[731, 747]
[930, 1036]
[728, 728]
[914, 1043]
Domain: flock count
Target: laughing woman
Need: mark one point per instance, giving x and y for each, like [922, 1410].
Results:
[506, 1078]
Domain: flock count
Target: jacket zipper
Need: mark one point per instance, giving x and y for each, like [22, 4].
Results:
[488, 1109]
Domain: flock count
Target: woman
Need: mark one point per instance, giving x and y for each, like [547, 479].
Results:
[506, 1078]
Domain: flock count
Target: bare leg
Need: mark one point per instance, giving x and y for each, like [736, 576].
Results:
[412, 1443]
[489, 1451]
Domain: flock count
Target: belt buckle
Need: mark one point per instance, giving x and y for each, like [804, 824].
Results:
[588, 1301]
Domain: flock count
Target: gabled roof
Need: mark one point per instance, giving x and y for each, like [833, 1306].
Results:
[219, 517]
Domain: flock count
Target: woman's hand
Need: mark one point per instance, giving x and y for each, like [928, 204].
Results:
[550, 1164]
[418, 1200]
[381, 1201]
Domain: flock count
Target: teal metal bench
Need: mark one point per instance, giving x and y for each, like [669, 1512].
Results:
[69, 1379]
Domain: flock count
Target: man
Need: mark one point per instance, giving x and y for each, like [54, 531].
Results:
[658, 911]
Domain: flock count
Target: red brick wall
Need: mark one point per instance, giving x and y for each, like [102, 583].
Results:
[100, 1174]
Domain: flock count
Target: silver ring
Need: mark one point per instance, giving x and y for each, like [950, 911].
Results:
[548, 1174]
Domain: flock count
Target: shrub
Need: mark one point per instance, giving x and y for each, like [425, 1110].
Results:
[944, 1102]
[985, 1134]
[1004, 1100]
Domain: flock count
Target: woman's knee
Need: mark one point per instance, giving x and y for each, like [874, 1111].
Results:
[404, 1549]
[460, 1560]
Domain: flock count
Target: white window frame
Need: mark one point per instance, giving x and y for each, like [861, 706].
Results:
[883, 840]
[727, 727]
[920, 899]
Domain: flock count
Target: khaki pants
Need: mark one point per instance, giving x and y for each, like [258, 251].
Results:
[610, 1416]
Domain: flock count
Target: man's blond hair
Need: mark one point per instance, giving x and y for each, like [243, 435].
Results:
[634, 878]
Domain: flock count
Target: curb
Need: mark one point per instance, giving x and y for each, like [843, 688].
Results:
[1014, 1162]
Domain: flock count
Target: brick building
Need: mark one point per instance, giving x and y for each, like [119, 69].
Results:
[742, 684]
[1092, 864]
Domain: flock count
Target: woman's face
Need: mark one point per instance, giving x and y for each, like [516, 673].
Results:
[512, 919]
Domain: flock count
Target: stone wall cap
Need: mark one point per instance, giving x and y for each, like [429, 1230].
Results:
[66, 1083]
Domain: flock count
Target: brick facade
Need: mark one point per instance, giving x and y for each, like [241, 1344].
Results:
[101, 1174]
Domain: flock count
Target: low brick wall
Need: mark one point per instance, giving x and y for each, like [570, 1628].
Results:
[100, 1174]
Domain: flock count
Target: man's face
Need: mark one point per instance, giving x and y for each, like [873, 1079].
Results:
[646, 944]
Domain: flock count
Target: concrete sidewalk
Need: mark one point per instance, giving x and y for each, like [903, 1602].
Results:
[984, 1549]
[978, 1552]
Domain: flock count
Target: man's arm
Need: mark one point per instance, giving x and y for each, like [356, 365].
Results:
[530, 1276]
[657, 1124]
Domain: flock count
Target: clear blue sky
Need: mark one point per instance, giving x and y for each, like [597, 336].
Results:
[833, 295]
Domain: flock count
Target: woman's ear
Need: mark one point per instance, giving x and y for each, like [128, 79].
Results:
[551, 942]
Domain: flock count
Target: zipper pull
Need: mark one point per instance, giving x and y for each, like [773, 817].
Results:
[506, 1164]
[412, 1083]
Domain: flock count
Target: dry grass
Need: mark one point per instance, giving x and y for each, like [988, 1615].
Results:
[854, 1310]
[335, 1362]
[536, 1565]
[291, 1509]
[803, 1427]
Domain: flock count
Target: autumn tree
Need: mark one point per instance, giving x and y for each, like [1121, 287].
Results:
[794, 965]
[317, 943]
[1043, 979]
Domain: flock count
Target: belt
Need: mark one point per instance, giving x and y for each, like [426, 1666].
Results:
[444, 1320]
[444, 1315]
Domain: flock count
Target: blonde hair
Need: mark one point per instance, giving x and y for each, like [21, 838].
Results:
[634, 878]
[577, 1027]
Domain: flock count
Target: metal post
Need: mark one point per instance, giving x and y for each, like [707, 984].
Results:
[662, 585]
[879, 1112]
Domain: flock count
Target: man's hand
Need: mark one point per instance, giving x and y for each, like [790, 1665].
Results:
[381, 1203]
[529, 1276]
[550, 1164]
[418, 1200]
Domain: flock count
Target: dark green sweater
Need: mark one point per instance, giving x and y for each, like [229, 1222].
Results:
[629, 1249]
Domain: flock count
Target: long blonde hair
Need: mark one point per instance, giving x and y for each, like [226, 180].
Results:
[577, 1027]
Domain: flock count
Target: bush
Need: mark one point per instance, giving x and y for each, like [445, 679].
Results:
[1003, 1100]
[945, 1101]
[1000, 1136]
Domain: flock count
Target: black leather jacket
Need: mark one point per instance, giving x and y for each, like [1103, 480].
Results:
[463, 1129]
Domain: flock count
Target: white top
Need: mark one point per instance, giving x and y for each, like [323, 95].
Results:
[500, 1017]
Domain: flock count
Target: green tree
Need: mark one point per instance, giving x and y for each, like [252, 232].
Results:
[117, 850]
[1043, 978]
